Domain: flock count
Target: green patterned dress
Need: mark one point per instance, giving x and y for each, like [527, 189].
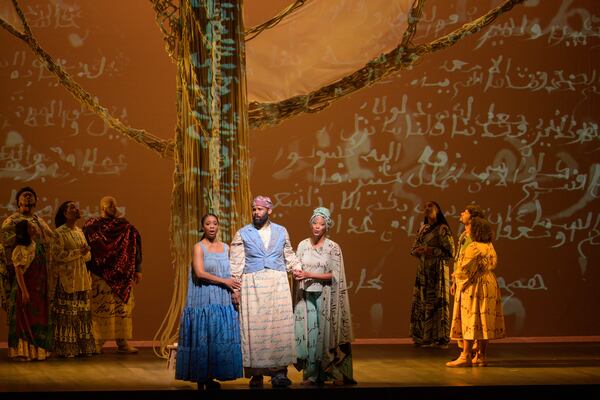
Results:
[430, 312]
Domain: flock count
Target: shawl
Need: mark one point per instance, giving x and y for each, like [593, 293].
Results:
[336, 317]
[7, 244]
[116, 248]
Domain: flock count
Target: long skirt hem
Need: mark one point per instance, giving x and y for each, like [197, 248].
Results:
[209, 344]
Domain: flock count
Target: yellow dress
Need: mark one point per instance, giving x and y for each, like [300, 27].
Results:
[477, 310]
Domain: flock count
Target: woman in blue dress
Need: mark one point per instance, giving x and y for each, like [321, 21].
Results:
[209, 332]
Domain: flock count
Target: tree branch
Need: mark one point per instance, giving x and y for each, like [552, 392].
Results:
[261, 115]
[11, 29]
[257, 30]
[414, 17]
[161, 146]
[165, 10]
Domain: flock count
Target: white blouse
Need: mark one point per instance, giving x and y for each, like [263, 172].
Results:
[69, 262]
[23, 255]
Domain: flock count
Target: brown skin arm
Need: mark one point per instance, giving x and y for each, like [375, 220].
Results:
[21, 283]
[300, 275]
[198, 266]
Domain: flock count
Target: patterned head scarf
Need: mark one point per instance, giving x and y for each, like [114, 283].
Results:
[325, 214]
[263, 201]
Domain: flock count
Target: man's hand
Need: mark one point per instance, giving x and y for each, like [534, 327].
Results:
[235, 297]
[232, 284]
[137, 278]
[300, 275]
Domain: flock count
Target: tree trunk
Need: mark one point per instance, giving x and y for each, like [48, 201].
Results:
[211, 150]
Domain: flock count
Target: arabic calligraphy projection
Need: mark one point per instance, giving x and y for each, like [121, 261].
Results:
[507, 118]
[507, 122]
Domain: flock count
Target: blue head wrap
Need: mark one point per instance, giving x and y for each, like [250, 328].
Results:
[323, 213]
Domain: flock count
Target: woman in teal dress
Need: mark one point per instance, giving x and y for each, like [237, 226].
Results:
[323, 324]
[209, 331]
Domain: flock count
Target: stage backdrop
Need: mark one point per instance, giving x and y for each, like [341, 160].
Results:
[507, 118]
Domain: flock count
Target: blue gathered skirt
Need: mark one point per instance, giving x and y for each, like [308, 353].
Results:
[209, 344]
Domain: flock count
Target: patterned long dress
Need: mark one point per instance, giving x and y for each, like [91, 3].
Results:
[430, 310]
[4, 279]
[29, 332]
[71, 308]
[209, 331]
[323, 323]
[477, 310]
[7, 238]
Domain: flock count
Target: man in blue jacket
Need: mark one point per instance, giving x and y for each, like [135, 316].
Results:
[261, 256]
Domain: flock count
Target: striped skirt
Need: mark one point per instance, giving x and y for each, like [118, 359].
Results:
[72, 318]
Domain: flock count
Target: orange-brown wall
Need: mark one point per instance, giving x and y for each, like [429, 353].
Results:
[509, 116]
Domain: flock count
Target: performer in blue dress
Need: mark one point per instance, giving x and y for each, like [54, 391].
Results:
[209, 331]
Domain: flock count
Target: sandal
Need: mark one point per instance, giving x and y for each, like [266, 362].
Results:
[461, 361]
[479, 361]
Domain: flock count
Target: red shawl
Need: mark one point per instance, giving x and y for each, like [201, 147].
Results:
[116, 252]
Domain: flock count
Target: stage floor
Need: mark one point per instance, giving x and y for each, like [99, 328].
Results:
[382, 371]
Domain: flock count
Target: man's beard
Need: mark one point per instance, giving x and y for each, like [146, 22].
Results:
[258, 222]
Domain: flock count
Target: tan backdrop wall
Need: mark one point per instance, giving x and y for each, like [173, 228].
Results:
[508, 118]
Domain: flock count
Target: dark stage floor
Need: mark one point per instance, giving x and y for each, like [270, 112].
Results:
[516, 371]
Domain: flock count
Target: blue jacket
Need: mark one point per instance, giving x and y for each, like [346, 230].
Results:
[259, 258]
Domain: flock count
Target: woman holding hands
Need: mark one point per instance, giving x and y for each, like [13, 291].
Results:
[209, 333]
[323, 324]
